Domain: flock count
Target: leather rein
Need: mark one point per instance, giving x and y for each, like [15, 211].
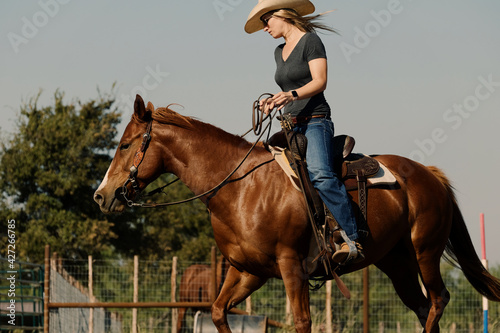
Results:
[257, 121]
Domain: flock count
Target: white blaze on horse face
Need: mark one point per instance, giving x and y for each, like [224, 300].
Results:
[104, 181]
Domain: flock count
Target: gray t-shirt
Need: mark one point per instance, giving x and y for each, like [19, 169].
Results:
[294, 73]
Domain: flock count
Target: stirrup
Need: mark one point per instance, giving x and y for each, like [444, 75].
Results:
[353, 255]
[353, 251]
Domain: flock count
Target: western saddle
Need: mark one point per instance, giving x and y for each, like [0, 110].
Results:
[351, 169]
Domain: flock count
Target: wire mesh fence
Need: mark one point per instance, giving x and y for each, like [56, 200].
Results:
[66, 288]
[113, 282]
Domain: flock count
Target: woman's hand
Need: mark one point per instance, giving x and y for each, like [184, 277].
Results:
[267, 105]
[282, 98]
[279, 100]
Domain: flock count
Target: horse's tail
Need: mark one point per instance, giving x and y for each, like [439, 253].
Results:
[460, 249]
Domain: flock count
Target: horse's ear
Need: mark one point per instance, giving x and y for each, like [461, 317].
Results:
[150, 107]
[140, 109]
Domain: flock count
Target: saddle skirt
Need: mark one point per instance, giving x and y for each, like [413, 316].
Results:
[383, 176]
[280, 157]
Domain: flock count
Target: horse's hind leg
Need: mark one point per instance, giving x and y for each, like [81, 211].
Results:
[431, 278]
[237, 286]
[401, 267]
[429, 236]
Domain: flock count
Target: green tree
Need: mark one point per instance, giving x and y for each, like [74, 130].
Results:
[48, 170]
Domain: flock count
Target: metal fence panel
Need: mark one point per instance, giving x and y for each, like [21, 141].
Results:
[113, 282]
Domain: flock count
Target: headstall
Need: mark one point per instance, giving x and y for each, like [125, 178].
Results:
[138, 157]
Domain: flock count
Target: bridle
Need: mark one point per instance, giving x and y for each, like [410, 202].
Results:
[138, 157]
[146, 138]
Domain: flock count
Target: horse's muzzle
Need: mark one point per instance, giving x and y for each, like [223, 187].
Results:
[117, 202]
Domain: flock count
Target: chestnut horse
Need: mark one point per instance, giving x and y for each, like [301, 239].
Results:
[196, 286]
[261, 225]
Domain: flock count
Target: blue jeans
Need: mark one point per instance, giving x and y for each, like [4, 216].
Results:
[319, 133]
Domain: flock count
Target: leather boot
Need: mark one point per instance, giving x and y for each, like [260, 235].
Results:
[342, 255]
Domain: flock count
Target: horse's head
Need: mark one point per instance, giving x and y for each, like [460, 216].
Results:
[130, 171]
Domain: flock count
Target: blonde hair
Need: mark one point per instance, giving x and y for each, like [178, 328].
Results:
[304, 23]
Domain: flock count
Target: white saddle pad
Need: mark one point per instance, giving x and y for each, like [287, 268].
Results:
[383, 177]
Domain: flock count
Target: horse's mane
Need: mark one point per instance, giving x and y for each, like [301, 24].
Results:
[169, 116]
[165, 115]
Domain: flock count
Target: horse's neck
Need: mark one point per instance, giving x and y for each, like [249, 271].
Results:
[204, 156]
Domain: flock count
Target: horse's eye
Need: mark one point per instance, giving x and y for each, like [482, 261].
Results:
[124, 146]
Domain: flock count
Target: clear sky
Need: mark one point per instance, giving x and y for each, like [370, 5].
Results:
[419, 79]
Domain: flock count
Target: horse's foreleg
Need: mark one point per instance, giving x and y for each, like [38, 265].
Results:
[297, 290]
[237, 286]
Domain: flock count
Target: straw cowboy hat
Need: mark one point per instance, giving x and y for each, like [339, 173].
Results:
[302, 7]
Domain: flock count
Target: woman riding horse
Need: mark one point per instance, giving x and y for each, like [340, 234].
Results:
[301, 73]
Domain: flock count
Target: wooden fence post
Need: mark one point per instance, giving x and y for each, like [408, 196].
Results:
[136, 293]
[366, 300]
[328, 307]
[46, 290]
[91, 296]
[248, 305]
[213, 279]
[173, 292]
